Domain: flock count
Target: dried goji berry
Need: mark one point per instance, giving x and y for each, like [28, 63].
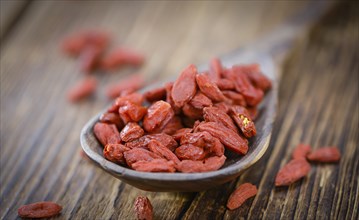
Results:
[184, 88]
[240, 195]
[39, 210]
[155, 165]
[169, 99]
[159, 149]
[114, 153]
[292, 172]
[301, 151]
[243, 120]
[192, 112]
[209, 88]
[215, 69]
[155, 94]
[204, 140]
[223, 106]
[190, 152]
[157, 116]
[131, 131]
[229, 138]
[213, 114]
[163, 138]
[180, 132]
[209, 164]
[131, 112]
[112, 118]
[235, 98]
[82, 89]
[135, 98]
[200, 101]
[89, 58]
[258, 79]
[143, 208]
[76, 43]
[139, 154]
[120, 57]
[133, 83]
[225, 84]
[243, 85]
[106, 133]
[325, 155]
[172, 126]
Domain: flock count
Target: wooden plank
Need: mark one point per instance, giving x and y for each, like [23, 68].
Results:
[10, 12]
[40, 146]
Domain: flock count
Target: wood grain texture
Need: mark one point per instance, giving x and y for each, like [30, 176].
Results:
[40, 150]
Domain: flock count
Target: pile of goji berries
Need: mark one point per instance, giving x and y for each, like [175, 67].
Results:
[186, 125]
[89, 47]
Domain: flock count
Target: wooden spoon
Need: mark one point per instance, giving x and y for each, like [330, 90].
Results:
[268, 52]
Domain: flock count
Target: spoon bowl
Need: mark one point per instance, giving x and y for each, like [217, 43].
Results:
[193, 182]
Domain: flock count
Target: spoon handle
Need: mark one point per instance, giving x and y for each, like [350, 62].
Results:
[278, 42]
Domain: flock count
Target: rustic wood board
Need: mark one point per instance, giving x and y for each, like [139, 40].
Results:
[40, 149]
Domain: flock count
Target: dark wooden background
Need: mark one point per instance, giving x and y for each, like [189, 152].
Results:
[40, 148]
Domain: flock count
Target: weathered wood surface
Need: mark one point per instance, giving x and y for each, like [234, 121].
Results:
[40, 150]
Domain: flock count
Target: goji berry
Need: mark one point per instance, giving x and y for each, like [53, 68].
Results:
[325, 155]
[143, 208]
[107, 133]
[155, 94]
[209, 88]
[120, 57]
[184, 88]
[240, 195]
[39, 210]
[82, 89]
[155, 165]
[157, 116]
[131, 131]
[114, 153]
[292, 172]
[301, 151]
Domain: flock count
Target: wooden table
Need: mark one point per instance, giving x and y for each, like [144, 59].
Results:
[40, 148]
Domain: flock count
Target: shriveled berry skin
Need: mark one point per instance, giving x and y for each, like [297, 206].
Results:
[209, 164]
[139, 154]
[155, 165]
[190, 152]
[131, 112]
[184, 88]
[163, 138]
[240, 195]
[107, 133]
[213, 114]
[159, 149]
[143, 208]
[112, 118]
[131, 131]
[39, 210]
[209, 88]
[325, 155]
[155, 94]
[114, 153]
[243, 120]
[230, 139]
[157, 116]
[292, 172]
